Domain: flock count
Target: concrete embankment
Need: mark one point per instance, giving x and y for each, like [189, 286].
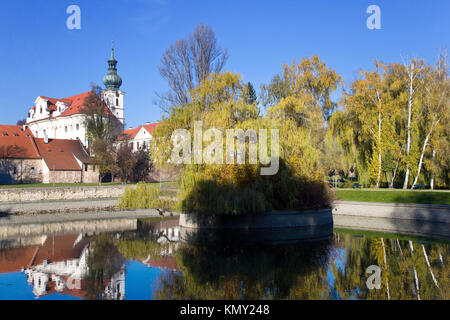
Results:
[415, 219]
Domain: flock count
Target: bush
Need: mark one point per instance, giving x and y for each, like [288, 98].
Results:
[145, 196]
[239, 189]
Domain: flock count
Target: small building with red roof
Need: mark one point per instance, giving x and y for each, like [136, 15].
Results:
[139, 137]
[20, 160]
[26, 159]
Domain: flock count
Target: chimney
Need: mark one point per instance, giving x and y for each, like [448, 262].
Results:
[147, 123]
[24, 127]
[129, 128]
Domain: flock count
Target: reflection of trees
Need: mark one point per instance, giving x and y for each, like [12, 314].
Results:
[270, 272]
[406, 274]
[143, 243]
[104, 261]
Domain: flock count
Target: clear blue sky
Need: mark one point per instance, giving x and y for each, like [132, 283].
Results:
[40, 56]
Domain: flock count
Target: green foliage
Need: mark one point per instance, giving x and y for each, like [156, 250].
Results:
[222, 102]
[250, 94]
[234, 189]
[142, 165]
[140, 249]
[395, 196]
[145, 196]
[394, 124]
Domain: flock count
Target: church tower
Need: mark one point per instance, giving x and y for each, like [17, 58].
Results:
[113, 96]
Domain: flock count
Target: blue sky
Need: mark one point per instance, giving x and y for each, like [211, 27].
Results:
[40, 56]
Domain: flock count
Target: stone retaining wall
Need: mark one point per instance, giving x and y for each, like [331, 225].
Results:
[413, 219]
[59, 193]
[275, 219]
[399, 211]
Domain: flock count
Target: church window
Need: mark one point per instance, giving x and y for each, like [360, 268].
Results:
[117, 102]
[41, 110]
[65, 128]
[78, 126]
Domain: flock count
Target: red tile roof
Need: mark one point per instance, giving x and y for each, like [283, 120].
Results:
[132, 133]
[18, 148]
[13, 260]
[16, 143]
[7, 130]
[59, 154]
[59, 248]
[76, 105]
[165, 262]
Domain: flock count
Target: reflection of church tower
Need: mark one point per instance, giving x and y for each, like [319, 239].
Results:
[113, 95]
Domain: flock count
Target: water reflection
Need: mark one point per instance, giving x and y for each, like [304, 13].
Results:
[150, 262]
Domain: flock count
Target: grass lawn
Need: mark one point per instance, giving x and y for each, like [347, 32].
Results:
[394, 196]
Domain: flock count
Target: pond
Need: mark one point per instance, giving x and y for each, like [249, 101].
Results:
[149, 261]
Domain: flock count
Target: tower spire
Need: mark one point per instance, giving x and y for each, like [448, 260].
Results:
[112, 50]
[112, 80]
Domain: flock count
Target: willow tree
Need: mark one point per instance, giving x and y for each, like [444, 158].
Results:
[371, 103]
[435, 110]
[414, 71]
[311, 79]
[299, 103]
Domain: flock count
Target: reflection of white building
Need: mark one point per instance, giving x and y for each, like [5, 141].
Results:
[115, 290]
[60, 265]
[168, 236]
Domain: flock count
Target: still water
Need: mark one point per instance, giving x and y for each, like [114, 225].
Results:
[149, 262]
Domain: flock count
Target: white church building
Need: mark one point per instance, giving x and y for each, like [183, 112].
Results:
[63, 118]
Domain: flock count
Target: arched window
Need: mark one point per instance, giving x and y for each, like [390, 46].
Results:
[78, 126]
[117, 102]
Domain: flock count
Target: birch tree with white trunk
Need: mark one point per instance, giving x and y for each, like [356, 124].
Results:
[436, 106]
[413, 71]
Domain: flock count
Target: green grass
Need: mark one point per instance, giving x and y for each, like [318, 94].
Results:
[394, 196]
